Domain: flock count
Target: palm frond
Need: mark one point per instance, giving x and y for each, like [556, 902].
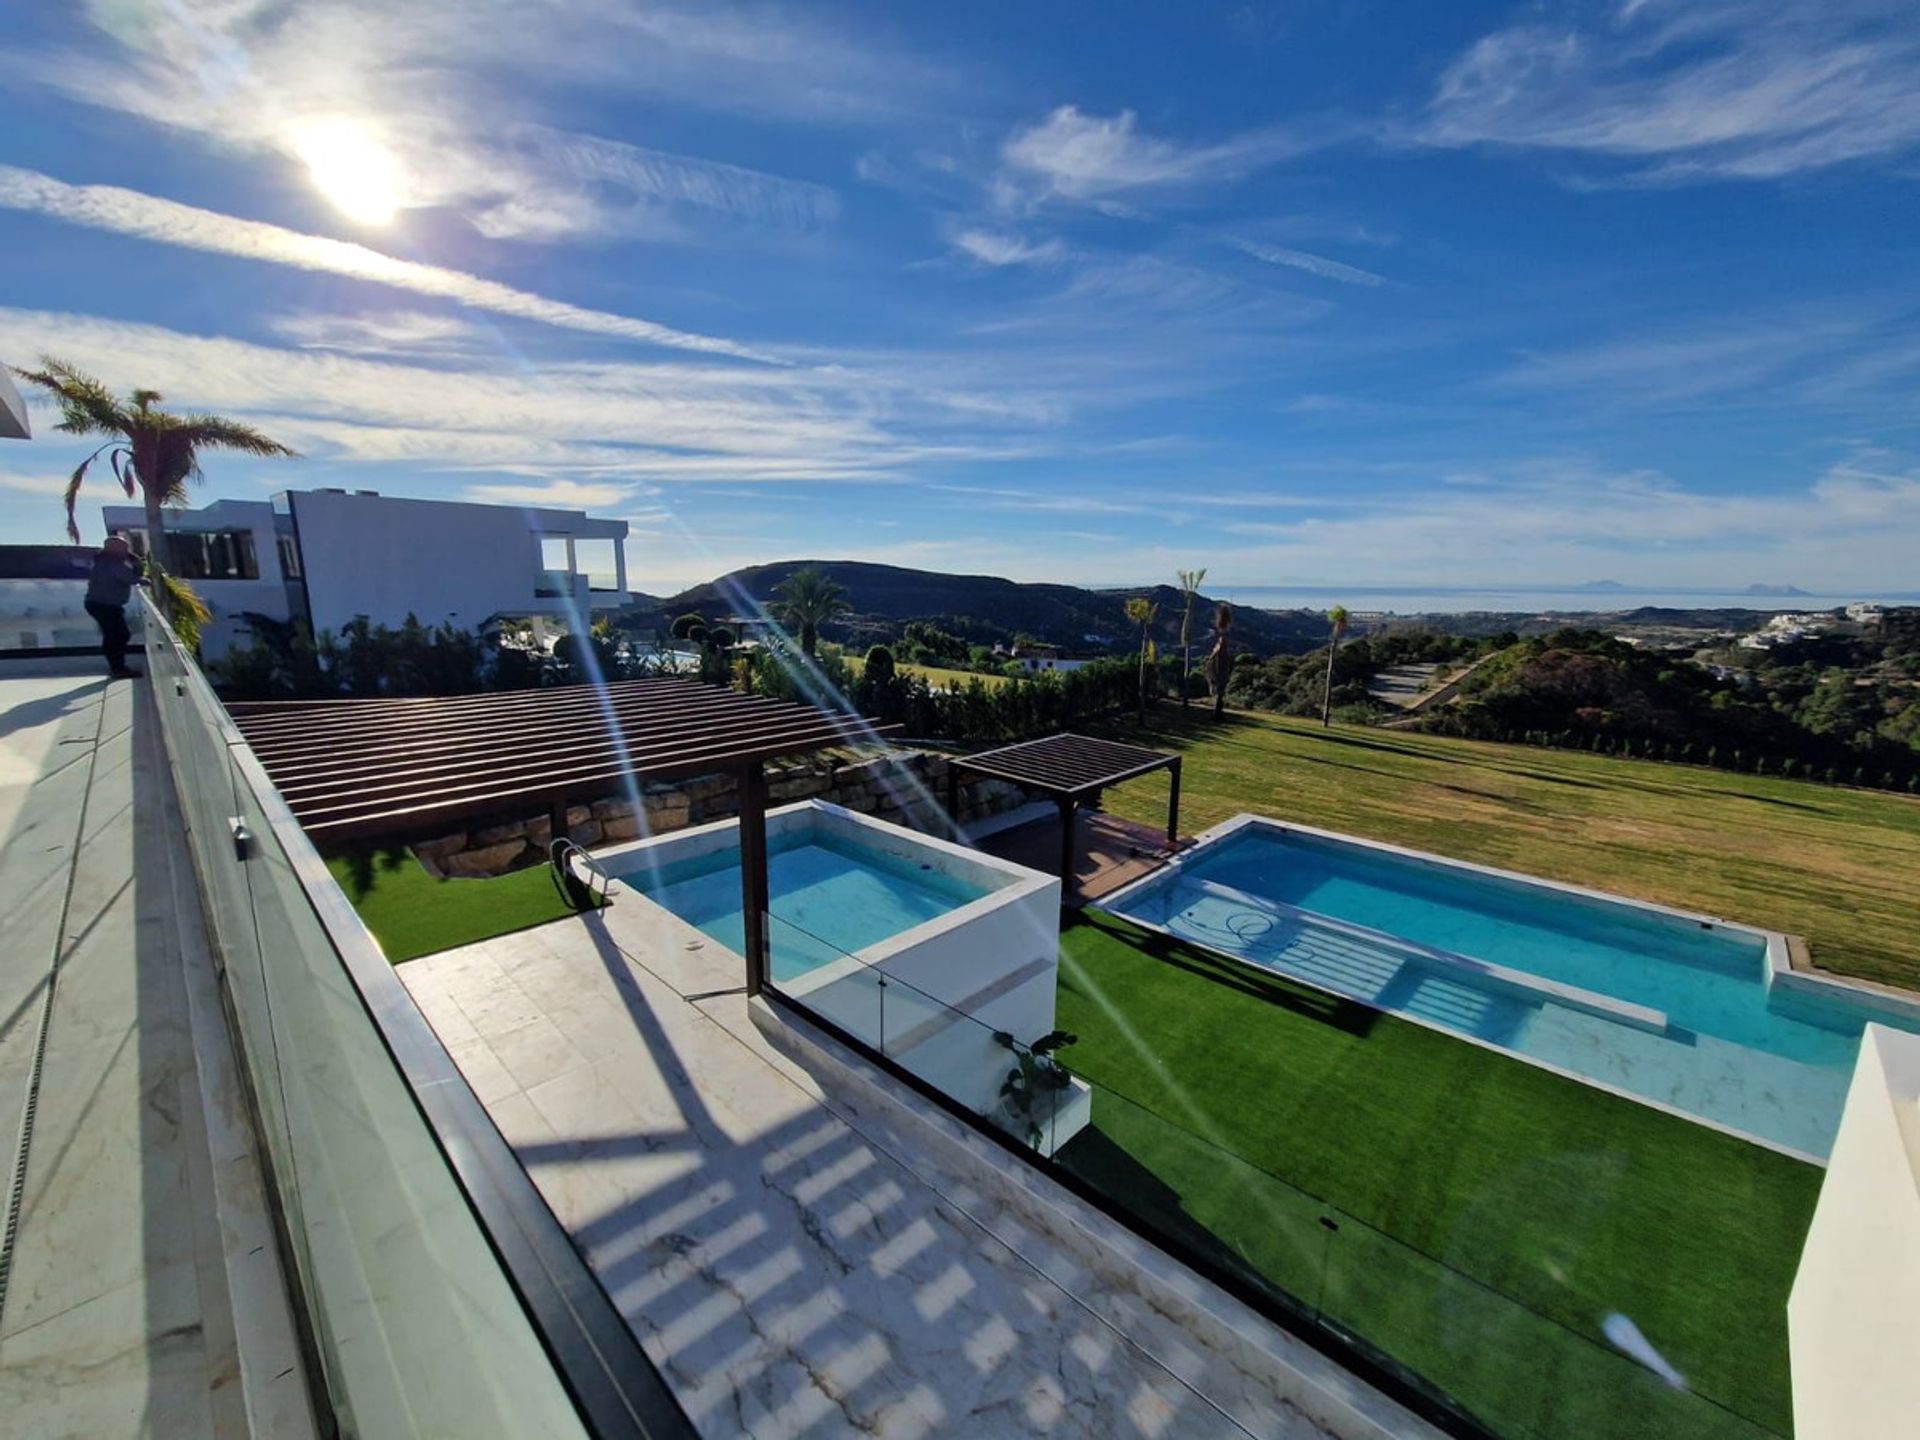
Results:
[216, 433]
[74, 482]
[87, 407]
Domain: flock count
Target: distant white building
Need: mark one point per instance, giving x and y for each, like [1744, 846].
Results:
[1038, 659]
[327, 556]
[1866, 612]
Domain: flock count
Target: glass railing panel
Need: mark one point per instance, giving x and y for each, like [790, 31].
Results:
[417, 1328]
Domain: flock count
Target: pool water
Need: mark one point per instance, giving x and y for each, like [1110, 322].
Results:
[1563, 978]
[828, 896]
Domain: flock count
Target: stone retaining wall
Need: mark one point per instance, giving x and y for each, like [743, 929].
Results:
[907, 789]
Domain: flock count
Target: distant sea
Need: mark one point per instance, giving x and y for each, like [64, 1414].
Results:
[1448, 601]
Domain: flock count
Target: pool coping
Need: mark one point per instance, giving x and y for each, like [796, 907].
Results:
[1778, 950]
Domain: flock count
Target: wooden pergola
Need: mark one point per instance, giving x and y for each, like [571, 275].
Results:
[1068, 768]
[382, 769]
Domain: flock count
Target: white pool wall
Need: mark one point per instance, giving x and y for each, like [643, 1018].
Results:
[994, 960]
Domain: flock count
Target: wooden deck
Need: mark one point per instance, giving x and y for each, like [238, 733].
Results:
[1111, 852]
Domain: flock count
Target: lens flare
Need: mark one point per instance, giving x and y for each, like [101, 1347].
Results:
[352, 168]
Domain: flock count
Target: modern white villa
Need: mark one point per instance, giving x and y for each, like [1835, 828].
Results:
[327, 556]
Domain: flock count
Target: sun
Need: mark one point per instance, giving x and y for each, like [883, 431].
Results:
[351, 167]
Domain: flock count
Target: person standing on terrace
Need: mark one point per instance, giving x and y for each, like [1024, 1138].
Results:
[109, 587]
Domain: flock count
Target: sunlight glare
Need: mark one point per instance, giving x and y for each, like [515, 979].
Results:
[352, 168]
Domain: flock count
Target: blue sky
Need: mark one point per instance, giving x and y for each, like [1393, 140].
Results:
[1308, 293]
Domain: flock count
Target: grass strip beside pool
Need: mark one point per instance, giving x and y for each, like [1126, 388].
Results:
[1476, 1176]
[413, 914]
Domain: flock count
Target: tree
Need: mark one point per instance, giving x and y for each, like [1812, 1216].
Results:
[1337, 617]
[1220, 658]
[714, 640]
[1189, 590]
[805, 601]
[1143, 612]
[154, 453]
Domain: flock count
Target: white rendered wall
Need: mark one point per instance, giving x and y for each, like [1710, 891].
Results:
[1854, 1316]
[387, 558]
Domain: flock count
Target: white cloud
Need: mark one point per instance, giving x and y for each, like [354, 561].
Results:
[994, 248]
[454, 96]
[386, 332]
[1710, 90]
[1313, 264]
[52, 483]
[553, 494]
[600, 423]
[1090, 158]
[147, 217]
[1856, 523]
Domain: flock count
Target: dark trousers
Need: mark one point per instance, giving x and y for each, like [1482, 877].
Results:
[112, 620]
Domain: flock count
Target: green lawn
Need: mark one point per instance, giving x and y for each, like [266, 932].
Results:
[1473, 1178]
[937, 676]
[1832, 864]
[412, 914]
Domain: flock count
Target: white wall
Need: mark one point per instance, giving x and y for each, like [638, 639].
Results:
[386, 557]
[1854, 1316]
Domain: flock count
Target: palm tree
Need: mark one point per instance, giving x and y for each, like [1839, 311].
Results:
[1220, 658]
[154, 453]
[805, 601]
[1190, 588]
[1143, 612]
[1337, 617]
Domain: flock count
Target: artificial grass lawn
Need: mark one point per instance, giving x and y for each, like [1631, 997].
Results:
[412, 914]
[1835, 865]
[1469, 1166]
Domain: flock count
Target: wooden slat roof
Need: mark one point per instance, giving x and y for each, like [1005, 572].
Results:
[1070, 765]
[360, 769]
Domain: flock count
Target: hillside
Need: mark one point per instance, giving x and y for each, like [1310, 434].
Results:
[984, 608]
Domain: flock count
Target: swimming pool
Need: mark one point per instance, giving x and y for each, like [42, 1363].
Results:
[1682, 1010]
[829, 896]
[918, 947]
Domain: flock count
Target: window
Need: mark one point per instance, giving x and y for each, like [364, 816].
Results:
[595, 560]
[289, 556]
[206, 554]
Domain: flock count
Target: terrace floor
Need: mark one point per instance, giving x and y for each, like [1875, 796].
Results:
[1112, 852]
[792, 1265]
[139, 1287]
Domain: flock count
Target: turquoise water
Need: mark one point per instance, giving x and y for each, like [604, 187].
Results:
[829, 897]
[1768, 1064]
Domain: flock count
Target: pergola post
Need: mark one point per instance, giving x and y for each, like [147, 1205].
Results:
[953, 797]
[1068, 806]
[754, 899]
[1173, 805]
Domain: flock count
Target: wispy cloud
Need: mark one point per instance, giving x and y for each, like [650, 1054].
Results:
[385, 332]
[606, 422]
[1706, 91]
[1313, 264]
[991, 247]
[554, 185]
[460, 93]
[148, 217]
[1092, 158]
[53, 482]
[558, 494]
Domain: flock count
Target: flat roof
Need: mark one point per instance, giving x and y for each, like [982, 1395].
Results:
[363, 769]
[1068, 764]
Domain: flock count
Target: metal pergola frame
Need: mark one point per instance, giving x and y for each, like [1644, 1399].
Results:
[360, 770]
[1068, 768]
